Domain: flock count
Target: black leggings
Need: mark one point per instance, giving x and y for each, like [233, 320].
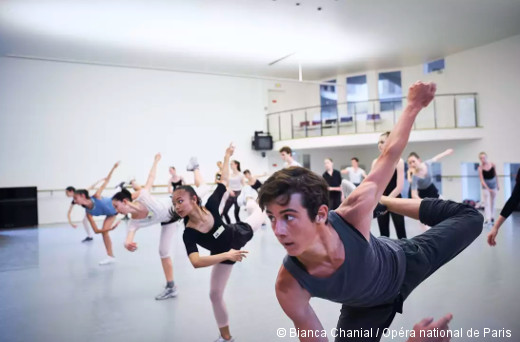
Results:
[334, 200]
[232, 200]
[384, 224]
[512, 202]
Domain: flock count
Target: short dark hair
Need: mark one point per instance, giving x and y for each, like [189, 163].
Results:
[247, 171]
[413, 154]
[286, 149]
[386, 134]
[70, 188]
[82, 192]
[354, 158]
[295, 180]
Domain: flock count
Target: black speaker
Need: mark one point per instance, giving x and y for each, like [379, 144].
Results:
[262, 141]
[18, 207]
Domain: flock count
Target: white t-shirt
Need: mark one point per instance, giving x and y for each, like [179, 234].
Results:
[355, 176]
[293, 163]
[235, 182]
[159, 211]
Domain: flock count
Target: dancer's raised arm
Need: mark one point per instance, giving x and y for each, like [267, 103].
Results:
[357, 208]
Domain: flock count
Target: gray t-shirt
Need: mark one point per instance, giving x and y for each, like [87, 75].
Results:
[371, 275]
[419, 183]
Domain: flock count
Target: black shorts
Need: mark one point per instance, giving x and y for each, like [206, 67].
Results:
[429, 192]
[257, 185]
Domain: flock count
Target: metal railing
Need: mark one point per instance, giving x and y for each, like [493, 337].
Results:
[376, 115]
[153, 192]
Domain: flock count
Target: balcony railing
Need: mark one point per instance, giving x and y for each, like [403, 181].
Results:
[445, 111]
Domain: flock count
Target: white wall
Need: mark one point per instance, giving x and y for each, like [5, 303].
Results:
[63, 124]
[493, 71]
[66, 124]
[295, 94]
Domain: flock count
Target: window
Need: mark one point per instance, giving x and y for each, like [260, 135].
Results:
[390, 94]
[357, 95]
[470, 181]
[329, 101]
[437, 65]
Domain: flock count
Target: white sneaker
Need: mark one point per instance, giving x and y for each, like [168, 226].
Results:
[169, 292]
[192, 164]
[107, 261]
[246, 193]
[222, 339]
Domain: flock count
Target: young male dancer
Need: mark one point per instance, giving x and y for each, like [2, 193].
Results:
[333, 255]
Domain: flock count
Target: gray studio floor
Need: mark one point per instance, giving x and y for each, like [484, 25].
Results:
[52, 289]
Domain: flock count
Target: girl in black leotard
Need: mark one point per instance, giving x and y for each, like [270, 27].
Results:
[204, 227]
[175, 180]
[490, 186]
[393, 189]
[253, 180]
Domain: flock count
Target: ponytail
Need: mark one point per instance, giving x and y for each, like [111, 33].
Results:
[237, 163]
[122, 195]
[82, 192]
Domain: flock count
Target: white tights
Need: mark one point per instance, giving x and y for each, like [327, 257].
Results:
[489, 203]
[220, 272]
[86, 225]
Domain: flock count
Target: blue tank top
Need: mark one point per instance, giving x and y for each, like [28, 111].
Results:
[101, 207]
[372, 273]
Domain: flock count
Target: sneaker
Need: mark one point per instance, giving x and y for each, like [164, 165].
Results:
[193, 164]
[247, 192]
[379, 210]
[109, 260]
[169, 292]
[87, 239]
[222, 339]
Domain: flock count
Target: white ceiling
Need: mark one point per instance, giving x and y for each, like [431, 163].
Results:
[242, 37]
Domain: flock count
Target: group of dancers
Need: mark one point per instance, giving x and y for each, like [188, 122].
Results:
[204, 225]
[331, 253]
[422, 186]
